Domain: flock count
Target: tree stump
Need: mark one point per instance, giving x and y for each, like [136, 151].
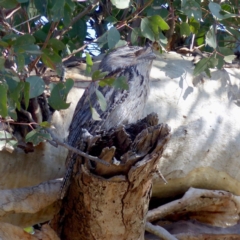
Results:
[111, 202]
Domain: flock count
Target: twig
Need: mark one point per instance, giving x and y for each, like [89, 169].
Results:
[27, 21]
[137, 12]
[27, 114]
[161, 176]
[56, 141]
[192, 42]
[12, 12]
[80, 15]
[119, 26]
[81, 153]
[159, 231]
[80, 49]
[50, 32]
[76, 51]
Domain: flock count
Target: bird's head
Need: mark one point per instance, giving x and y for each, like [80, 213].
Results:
[127, 56]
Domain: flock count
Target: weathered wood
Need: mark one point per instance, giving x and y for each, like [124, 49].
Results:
[112, 202]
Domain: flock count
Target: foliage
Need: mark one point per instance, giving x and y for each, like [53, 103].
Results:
[35, 35]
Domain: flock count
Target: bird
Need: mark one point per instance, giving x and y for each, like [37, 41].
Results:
[124, 106]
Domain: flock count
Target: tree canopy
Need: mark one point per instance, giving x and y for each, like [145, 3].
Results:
[36, 35]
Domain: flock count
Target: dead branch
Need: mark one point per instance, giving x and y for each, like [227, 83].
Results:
[159, 231]
[113, 200]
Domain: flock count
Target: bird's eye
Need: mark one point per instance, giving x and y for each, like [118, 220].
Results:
[127, 55]
[139, 52]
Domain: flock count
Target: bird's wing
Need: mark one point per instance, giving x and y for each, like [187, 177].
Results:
[82, 117]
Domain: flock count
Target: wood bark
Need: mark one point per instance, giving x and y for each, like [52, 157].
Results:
[112, 202]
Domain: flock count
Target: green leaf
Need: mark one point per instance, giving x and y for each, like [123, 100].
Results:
[51, 59]
[32, 49]
[136, 32]
[146, 29]
[215, 9]
[121, 4]
[15, 95]
[78, 31]
[102, 40]
[2, 62]
[95, 114]
[220, 61]
[121, 83]
[89, 59]
[185, 29]
[40, 35]
[68, 86]
[200, 37]
[8, 142]
[211, 38]
[26, 94]
[101, 100]
[111, 19]
[158, 21]
[45, 124]
[71, 4]
[59, 93]
[23, 1]
[20, 62]
[37, 137]
[37, 86]
[58, 10]
[163, 40]
[113, 37]
[25, 44]
[8, 4]
[41, 6]
[11, 82]
[98, 75]
[29, 230]
[48, 61]
[10, 38]
[225, 51]
[106, 82]
[233, 31]
[204, 65]
[229, 16]
[5, 134]
[192, 9]
[12, 109]
[229, 58]
[120, 43]
[3, 99]
[56, 44]
[25, 39]
[88, 70]
[194, 25]
[67, 15]
[3, 44]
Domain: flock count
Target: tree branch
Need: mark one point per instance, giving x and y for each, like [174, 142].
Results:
[50, 32]
[159, 231]
[75, 150]
[80, 15]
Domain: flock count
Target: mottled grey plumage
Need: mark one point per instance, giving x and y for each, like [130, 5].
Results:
[123, 106]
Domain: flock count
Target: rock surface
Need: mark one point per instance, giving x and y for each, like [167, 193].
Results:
[203, 151]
